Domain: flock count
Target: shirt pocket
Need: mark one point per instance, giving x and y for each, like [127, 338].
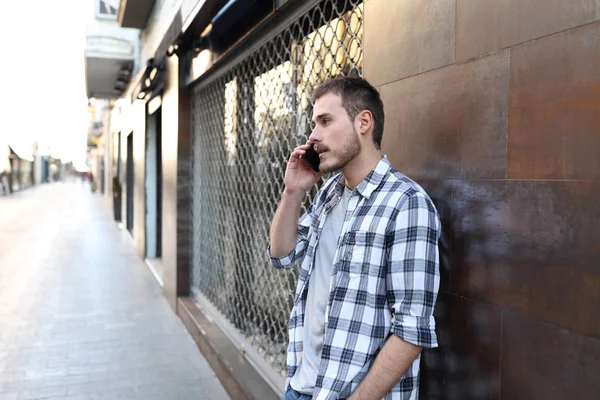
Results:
[361, 253]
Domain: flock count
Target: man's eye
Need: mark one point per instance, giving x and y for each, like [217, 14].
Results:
[326, 121]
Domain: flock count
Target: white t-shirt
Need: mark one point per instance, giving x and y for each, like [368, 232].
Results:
[305, 377]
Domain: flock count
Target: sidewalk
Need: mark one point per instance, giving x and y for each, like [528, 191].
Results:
[81, 316]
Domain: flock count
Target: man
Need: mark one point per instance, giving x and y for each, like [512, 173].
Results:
[367, 246]
[2, 176]
[5, 179]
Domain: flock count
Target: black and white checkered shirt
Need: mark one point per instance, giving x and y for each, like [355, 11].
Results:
[385, 279]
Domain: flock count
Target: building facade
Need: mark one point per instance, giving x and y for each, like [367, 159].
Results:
[112, 57]
[491, 106]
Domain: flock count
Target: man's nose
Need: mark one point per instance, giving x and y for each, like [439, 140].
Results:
[315, 136]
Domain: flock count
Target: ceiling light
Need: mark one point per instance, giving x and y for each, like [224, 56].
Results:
[153, 73]
[174, 47]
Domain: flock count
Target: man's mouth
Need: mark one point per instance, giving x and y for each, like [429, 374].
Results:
[320, 150]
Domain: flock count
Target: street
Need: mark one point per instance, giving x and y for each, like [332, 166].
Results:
[81, 316]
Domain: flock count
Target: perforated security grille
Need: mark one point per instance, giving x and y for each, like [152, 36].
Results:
[245, 124]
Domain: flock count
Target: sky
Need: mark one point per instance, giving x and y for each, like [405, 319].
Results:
[42, 67]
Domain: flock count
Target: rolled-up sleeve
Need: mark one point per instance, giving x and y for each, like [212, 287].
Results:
[297, 254]
[413, 270]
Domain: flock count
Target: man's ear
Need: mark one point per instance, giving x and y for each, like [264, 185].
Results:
[364, 121]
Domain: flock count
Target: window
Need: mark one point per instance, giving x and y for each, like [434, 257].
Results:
[107, 8]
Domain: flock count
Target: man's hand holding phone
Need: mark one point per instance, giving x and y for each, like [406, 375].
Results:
[302, 169]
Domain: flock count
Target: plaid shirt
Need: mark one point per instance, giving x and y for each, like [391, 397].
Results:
[384, 281]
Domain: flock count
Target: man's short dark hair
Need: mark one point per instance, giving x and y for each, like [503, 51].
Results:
[357, 95]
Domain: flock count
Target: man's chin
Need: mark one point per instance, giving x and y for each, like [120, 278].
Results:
[329, 168]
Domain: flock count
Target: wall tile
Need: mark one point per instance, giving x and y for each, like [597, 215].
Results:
[554, 107]
[451, 122]
[440, 194]
[541, 361]
[466, 365]
[405, 38]
[529, 246]
[450, 373]
[484, 26]
[175, 244]
[469, 325]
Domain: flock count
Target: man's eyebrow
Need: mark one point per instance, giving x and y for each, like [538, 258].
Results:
[321, 116]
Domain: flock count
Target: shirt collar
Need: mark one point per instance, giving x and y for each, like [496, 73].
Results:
[371, 181]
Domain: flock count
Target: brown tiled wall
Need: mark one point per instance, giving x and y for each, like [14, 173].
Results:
[176, 192]
[494, 107]
[139, 169]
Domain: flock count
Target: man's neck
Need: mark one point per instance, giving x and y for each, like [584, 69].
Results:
[358, 169]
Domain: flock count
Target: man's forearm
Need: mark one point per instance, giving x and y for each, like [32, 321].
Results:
[391, 364]
[284, 228]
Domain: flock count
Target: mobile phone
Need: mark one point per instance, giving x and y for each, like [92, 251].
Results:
[312, 158]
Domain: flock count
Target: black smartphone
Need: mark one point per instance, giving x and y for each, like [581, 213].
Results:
[312, 158]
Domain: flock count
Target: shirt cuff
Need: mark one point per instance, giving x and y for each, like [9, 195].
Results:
[281, 262]
[419, 331]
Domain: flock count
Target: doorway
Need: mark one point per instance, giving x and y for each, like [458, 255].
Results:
[129, 182]
[117, 178]
[153, 186]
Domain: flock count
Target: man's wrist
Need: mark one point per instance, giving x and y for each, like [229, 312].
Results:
[297, 195]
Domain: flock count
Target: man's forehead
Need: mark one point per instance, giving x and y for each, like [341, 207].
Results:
[328, 103]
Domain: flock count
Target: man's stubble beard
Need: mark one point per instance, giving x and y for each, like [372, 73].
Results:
[352, 147]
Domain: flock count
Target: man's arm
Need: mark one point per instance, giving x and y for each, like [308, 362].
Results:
[391, 364]
[284, 228]
[299, 178]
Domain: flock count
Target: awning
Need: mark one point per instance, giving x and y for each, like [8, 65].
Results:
[108, 65]
[196, 19]
[172, 33]
[21, 151]
[135, 13]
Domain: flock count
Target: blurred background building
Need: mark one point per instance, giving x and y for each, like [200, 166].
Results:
[111, 54]
[21, 163]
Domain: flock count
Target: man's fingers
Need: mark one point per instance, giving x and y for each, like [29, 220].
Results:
[298, 151]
